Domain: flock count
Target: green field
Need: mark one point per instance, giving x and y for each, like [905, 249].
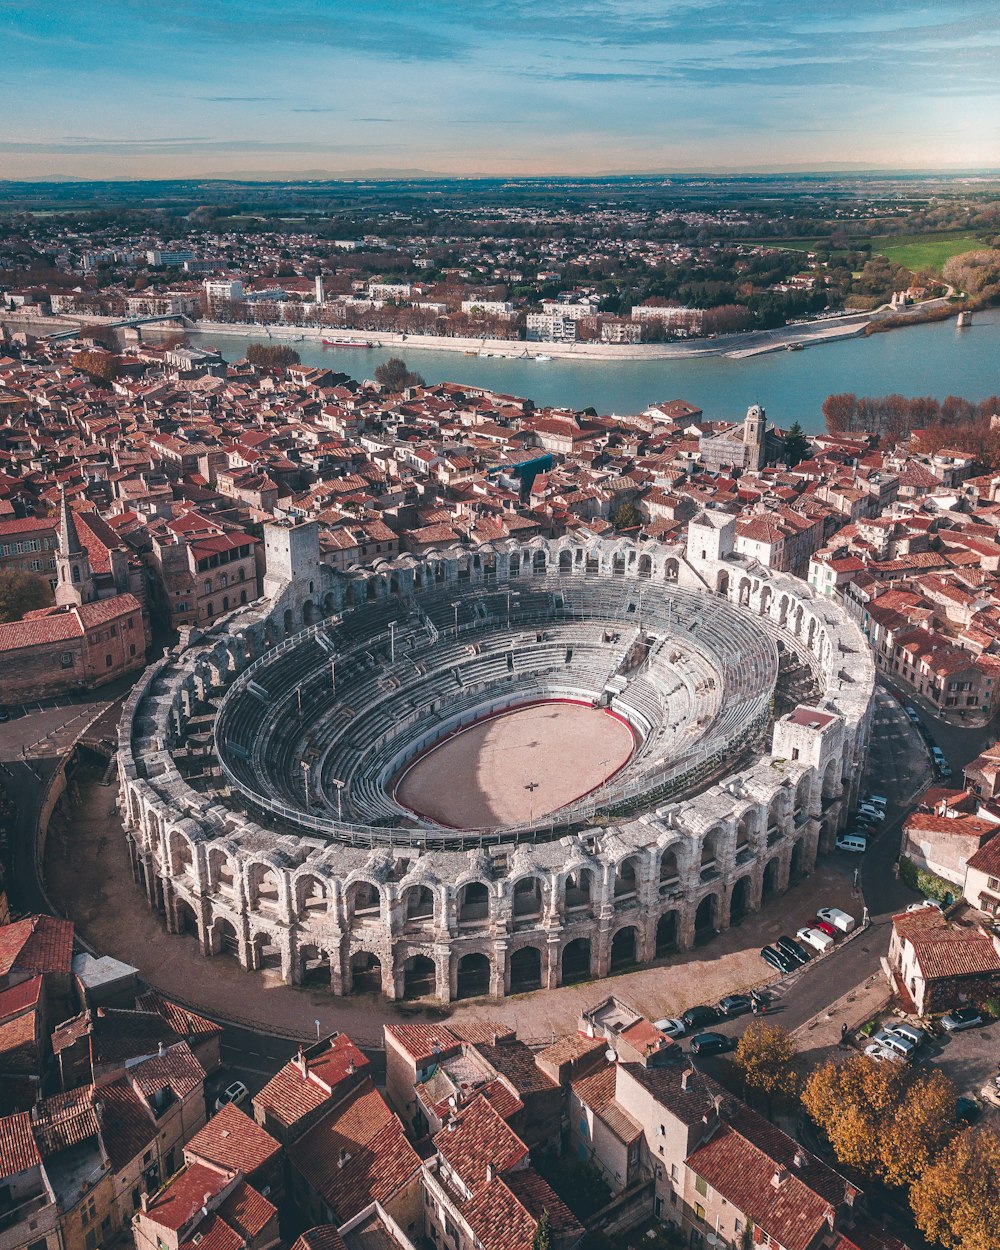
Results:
[924, 251]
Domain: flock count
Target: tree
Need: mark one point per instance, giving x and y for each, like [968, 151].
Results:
[542, 1239]
[883, 1119]
[99, 366]
[625, 516]
[395, 376]
[956, 1202]
[766, 1057]
[20, 593]
[272, 356]
[796, 445]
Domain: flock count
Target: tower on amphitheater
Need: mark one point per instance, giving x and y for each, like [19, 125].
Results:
[492, 769]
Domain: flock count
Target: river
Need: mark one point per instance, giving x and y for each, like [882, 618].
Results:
[935, 359]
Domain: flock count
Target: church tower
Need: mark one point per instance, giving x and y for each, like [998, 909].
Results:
[75, 580]
[754, 427]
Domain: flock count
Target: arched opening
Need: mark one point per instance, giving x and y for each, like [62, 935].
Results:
[831, 783]
[669, 871]
[783, 611]
[419, 977]
[267, 956]
[394, 583]
[263, 883]
[439, 573]
[802, 798]
[645, 568]
[224, 939]
[769, 886]
[364, 903]
[670, 570]
[418, 906]
[366, 973]
[538, 562]
[527, 898]
[220, 871]
[473, 904]
[309, 613]
[181, 858]
[796, 865]
[710, 856]
[526, 970]
[314, 966]
[565, 561]
[576, 961]
[289, 621]
[514, 564]
[593, 564]
[473, 979]
[624, 948]
[706, 918]
[310, 895]
[626, 880]
[666, 933]
[739, 903]
[743, 848]
[370, 590]
[579, 886]
[765, 600]
[722, 584]
[618, 564]
[186, 920]
[775, 819]
[744, 592]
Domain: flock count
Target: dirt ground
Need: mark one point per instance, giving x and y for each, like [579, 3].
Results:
[516, 767]
[89, 879]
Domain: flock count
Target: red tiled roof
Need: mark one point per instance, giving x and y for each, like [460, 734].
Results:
[232, 1140]
[36, 944]
[322, 1237]
[18, 1151]
[180, 1199]
[597, 1091]
[477, 1136]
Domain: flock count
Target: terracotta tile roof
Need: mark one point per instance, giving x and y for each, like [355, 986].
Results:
[515, 1061]
[18, 1151]
[419, 1040]
[184, 1022]
[497, 1219]
[597, 1091]
[20, 997]
[572, 1046]
[232, 1140]
[475, 1137]
[178, 1202]
[214, 1233]
[18, 1048]
[65, 1120]
[987, 858]
[127, 1127]
[322, 1237]
[501, 1099]
[36, 944]
[177, 1070]
[246, 1210]
[355, 1155]
[290, 1095]
[536, 1195]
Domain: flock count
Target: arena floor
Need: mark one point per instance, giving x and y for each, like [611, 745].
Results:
[516, 767]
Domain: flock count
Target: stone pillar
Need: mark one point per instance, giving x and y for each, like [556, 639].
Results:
[552, 972]
[442, 976]
[499, 970]
[685, 926]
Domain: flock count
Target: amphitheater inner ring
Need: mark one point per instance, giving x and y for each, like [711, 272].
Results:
[320, 730]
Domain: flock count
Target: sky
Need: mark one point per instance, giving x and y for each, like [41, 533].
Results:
[178, 88]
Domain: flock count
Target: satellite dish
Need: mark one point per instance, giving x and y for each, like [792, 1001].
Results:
[610, 1055]
[453, 1102]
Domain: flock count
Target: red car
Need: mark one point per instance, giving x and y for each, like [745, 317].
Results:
[828, 929]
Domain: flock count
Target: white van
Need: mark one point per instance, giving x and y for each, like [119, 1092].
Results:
[876, 800]
[816, 938]
[907, 1031]
[852, 842]
[839, 919]
[892, 1041]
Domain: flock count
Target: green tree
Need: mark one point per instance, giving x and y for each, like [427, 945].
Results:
[796, 446]
[956, 1201]
[395, 376]
[272, 356]
[625, 516]
[20, 593]
[542, 1239]
[765, 1055]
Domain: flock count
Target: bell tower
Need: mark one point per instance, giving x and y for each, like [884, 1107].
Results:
[75, 580]
[754, 427]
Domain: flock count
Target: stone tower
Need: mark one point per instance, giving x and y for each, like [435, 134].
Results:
[75, 579]
[754, 427]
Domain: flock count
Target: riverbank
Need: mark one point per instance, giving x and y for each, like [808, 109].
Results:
[734, 346]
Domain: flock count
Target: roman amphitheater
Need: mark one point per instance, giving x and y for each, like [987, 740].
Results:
[491, 770]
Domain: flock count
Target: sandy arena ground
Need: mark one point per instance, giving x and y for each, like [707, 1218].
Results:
[516, 767]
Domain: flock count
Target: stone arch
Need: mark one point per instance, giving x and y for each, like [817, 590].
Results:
[263, 887]
[803, 791]
[224, 940]
[185, 919]
[797, 620]
[514, 564]
[711, 852]
[670, 869]
[181, 854]
[783, 606]
[666, 933]
[766, 595]
[371, 590]
[329, 603]
[776, 816]
[706, 918]
[472, 904]
[472, 975]
[288, 621]
[618, 564]
[628, 879]
[671, 570]
[527, 898]
[525, 970]
[797, 860]
[419, 977]
[739, 900]
[363, 901]
[565, 563]
[222, 871]
[314, 966]
[576, 958]
[744, 832]
[593, 568]
[770, 878]
[366, 972]
[539, 561]
[645, 568]
[578, 891]
[831, 782]
[266, 954]
[418, 905]
[310, 895]
[309, 613]
[743, 594]
[624, 948]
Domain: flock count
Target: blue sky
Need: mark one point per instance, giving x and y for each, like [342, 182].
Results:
[153, 88]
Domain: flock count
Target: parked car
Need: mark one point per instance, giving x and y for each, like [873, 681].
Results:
[924, 903]
[839, 919]
[879, 1053]
[908, 1031]
[671, 1026]
[698, 1017]
[788, 946]
[710, 1044]
[813, 937]
[895, 1044]
[854, 842]
[778, 961]
[870, 812]
[235, 1092]
[961, 1018]
[911, 712]
[825, 927]
[735, 1005]
[967, 1109]
[876, 800]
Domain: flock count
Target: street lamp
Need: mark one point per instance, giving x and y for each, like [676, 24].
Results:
[456, 604]
[305, 780]
[392, 642]
[340, 785]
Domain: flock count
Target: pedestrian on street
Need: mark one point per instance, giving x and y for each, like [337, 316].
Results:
[843, 1033]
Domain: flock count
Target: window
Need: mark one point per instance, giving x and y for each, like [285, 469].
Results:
[699, 1212]
[673, 1172]
[700, 1186]
[109, 660]
[114, 631]
[91, 1239]
[66, 659]
[131, 648]
[136, 1198]
[993, 883]
[738, 1226]
[38, 1245]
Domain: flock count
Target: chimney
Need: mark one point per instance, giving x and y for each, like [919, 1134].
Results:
[144, 1201]
[686, 1076]
[162, 1050]
[344, 1158]
[490, 1173]
[779, 1177]
[300, 1060]
[800, 1159]
[351, 1069]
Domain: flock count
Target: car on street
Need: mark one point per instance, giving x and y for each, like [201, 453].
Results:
[875, 800]
[839, 919]
[711, 1043]
[924, 903]
[794, 950]
[961, 1018]
[814, 938]
[870, 812]
[671, 1026]
[735, 1005]
[857, 843]
[911, 712]
[824, 926]
[235, 1092]
[698, 1017]
[778, 961]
